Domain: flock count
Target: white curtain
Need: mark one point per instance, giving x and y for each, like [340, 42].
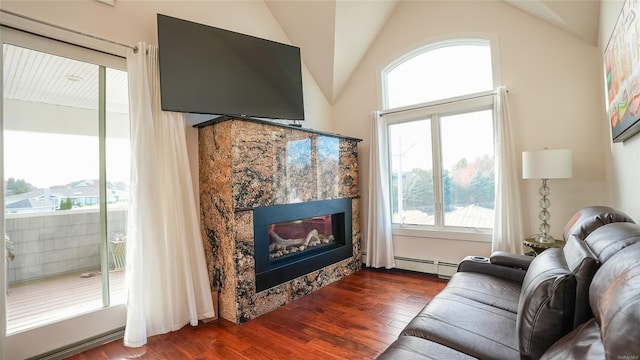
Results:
[378, 236]
[166, 272]
[508, 231]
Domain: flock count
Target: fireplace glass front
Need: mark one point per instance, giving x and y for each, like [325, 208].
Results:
[294, 239]
[298, 237]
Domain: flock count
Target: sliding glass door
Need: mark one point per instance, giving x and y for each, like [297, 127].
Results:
[66, 173]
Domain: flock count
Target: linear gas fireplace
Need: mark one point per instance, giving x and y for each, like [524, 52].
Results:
[280, 212]
[295, 239]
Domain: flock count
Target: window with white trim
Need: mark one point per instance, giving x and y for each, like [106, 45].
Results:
[65, 136]
[438, 104]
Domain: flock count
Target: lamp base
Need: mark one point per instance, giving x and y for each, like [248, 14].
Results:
[544, 238]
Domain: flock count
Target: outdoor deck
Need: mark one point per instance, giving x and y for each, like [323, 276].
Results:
[39, 302]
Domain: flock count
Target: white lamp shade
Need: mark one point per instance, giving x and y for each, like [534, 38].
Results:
[547, 164]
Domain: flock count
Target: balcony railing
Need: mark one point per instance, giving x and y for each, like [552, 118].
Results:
[61, 242]
[56, 271]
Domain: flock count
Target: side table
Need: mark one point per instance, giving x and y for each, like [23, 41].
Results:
[539, 247]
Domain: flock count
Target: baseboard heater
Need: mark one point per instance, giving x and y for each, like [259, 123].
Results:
[81, 346]
[442, 269]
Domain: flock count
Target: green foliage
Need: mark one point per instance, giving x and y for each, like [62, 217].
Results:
[466, 184]
[447, 191]
[66, 204]
[482, 189]
[18, 186]
[419, 189]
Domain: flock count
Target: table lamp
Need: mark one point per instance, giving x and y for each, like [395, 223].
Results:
[546, 164]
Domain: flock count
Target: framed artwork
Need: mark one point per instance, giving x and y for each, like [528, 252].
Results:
[622, 73]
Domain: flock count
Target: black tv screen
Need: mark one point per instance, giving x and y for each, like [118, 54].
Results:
[207, 70]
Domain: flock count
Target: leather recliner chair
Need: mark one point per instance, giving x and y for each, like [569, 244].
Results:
[510, 306]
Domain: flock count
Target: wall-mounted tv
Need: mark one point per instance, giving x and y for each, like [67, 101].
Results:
[207, 70]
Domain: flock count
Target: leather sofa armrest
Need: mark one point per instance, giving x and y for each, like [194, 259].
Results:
[483, 265]
[511, 260]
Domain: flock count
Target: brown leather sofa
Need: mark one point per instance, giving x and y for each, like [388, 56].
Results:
[578, 302]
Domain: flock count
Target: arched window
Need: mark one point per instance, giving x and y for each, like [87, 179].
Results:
[440, 71]
[439, 109]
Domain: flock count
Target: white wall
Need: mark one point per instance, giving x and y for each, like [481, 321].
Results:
[625, 163]
[556, 101]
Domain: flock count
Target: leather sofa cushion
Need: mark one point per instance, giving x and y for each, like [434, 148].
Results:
[590, 218]
[582, 343]
[607, 240]
[547, 301]
[583, 264]
[486, 289]
[615, 302]
[469, 320]
[413, 348]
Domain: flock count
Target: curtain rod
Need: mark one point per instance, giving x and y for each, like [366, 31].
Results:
[134, 48]
[445, 102]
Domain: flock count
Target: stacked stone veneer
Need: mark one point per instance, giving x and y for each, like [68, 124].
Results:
[245, 164]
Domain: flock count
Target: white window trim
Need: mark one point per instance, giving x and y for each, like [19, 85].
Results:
[450, 106]
[27, 25]
[468, 103]
[59, 48]
[479, 235]
[443, 40]
[82, 326]
[472, 102]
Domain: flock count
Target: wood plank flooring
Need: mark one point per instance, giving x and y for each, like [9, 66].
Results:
[40, 302]
[354, 318]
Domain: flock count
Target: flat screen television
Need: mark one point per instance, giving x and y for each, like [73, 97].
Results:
[207, 70]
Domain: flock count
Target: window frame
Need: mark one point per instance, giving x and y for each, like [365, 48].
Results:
[107, 321]
[434, 110]
[484, 39]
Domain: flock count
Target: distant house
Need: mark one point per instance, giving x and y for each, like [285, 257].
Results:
[82, 193]
[32, 201]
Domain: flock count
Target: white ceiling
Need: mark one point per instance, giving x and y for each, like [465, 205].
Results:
[38, 77]
[580, 18]
[334, 35]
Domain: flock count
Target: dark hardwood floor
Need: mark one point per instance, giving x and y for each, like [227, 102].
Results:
[354, 318]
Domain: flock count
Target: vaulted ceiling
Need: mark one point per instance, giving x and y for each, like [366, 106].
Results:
[334, 35]
[580, 18]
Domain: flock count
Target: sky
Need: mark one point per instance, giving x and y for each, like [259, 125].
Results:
[439, 74]
[45, 160]
[416, 140]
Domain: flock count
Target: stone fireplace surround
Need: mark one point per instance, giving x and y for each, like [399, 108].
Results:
[248, 164]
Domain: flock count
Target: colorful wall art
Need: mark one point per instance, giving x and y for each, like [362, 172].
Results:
[622, 73]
